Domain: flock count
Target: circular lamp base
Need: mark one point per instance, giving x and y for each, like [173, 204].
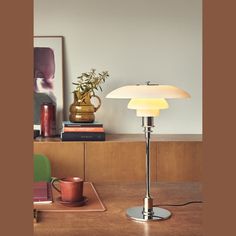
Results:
[135, 213]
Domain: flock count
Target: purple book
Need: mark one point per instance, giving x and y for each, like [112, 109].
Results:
[42, 192]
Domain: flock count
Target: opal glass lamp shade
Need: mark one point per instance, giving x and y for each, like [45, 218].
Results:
[148, 91]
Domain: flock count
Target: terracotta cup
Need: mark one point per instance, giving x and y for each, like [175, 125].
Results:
[71, 188]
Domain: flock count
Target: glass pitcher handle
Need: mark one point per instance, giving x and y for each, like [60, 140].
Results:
[99, 102]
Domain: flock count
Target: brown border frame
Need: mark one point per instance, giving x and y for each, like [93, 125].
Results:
[16, 18]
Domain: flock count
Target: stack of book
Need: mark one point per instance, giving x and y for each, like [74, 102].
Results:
[82, 131]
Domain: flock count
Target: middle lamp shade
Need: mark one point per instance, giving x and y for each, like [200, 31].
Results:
[148, 106]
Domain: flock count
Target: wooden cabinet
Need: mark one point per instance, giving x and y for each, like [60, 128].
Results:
[179, 161]
[118, 161]
[121, 158]
[67, 159]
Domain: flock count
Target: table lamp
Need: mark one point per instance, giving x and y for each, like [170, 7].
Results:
[148, 100]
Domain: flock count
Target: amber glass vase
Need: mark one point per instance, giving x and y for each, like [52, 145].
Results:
[82, 110]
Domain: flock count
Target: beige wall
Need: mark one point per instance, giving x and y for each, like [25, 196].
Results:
[136, 41]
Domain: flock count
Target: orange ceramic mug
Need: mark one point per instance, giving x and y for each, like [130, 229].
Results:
[71, 188]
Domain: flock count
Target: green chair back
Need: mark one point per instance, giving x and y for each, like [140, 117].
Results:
[42, 168]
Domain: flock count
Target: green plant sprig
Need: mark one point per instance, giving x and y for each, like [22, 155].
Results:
[90, 81]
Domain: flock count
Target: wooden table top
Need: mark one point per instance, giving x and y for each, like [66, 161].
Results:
[185, 220]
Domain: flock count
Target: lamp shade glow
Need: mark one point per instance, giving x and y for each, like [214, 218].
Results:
[147, 113]
[148, 103]
[148, 91]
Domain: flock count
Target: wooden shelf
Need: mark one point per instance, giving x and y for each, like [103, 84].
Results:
[154, 137]
[138, 137]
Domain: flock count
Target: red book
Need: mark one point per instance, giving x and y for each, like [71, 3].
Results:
[83, 129]
[42, 192]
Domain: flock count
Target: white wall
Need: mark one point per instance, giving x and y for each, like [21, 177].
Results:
[136, 41]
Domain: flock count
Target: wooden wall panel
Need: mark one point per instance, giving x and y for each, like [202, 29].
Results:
[179, 161]
[118, 161]
[122, 158]
[67, 158]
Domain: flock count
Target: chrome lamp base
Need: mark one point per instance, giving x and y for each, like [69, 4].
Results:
[136, 213]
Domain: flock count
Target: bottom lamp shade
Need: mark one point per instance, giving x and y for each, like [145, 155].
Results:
[147, 113]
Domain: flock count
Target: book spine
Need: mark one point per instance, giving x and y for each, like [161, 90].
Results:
[40, 199]
[83, 136]
[49, 188]
[42, 192]
[83, 129]
[82, 125]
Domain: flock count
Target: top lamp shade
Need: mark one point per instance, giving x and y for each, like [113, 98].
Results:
[148, 91]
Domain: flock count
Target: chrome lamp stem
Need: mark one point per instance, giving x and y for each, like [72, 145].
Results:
[147, 212]
[147, 123]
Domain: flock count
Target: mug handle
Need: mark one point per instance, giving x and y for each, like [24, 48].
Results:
[99, 102]
[56, 180]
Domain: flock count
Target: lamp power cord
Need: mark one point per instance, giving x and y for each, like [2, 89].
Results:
[180, 204]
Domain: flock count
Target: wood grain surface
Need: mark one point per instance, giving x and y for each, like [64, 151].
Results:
[185, 220]
[179, 161]
[66, 158]
[115, 162]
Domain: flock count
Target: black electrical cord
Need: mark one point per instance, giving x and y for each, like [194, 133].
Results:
[181, 204]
